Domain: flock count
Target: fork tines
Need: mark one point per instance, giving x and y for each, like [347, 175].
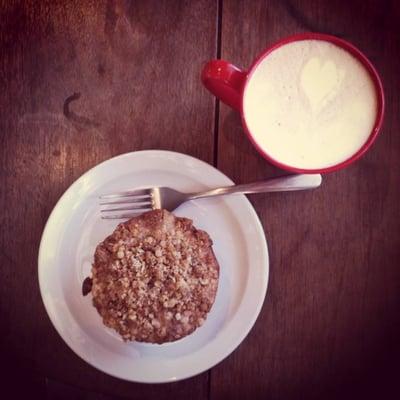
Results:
[132, 201]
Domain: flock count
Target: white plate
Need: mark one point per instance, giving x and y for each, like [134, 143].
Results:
[74, 229]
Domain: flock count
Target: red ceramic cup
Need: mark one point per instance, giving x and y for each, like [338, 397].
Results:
[228, 83]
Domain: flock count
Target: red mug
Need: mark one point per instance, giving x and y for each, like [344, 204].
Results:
[228, 83]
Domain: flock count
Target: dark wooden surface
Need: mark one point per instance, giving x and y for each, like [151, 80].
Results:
[82, 81]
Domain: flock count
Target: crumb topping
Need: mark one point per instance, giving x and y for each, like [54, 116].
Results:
[155, 278]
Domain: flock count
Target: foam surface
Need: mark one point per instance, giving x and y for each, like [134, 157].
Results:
[310, 104]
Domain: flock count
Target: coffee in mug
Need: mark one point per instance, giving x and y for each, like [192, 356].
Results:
[309, 104]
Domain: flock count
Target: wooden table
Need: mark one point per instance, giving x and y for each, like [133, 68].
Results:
[82, 81]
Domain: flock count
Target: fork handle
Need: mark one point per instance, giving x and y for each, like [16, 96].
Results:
[281, 184]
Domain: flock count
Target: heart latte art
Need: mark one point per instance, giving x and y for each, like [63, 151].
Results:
[310, 104]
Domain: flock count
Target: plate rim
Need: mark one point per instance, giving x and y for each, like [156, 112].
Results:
[255, 313]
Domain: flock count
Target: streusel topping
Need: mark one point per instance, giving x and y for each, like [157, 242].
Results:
[155, 278]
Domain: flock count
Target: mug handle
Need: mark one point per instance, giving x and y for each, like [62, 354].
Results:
[225, 81]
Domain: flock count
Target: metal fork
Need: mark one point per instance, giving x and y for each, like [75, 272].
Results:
[133, 202]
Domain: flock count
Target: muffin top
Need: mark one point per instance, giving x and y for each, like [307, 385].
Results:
[155, 278]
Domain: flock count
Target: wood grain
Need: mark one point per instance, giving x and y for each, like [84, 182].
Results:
[330, 324]
[82, 81]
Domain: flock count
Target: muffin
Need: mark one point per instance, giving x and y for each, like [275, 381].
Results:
[155, 278]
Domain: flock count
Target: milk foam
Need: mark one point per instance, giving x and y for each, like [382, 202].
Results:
[310, 104]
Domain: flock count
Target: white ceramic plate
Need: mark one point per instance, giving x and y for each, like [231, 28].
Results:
[74, 229]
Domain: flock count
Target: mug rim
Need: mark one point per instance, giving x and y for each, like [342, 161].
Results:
[355, 52]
